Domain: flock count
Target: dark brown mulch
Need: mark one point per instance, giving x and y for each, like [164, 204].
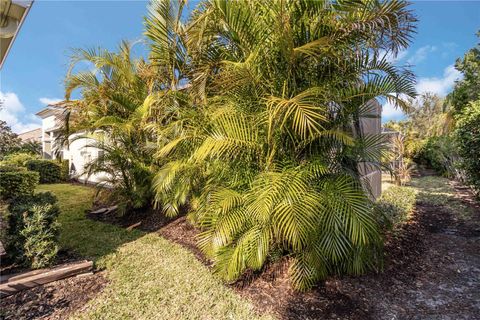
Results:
[431, 272]
[55, 300]
[184, 233]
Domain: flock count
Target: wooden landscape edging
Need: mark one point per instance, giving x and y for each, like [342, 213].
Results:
[11, 284]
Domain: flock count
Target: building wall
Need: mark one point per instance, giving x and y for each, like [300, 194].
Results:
[371, 124]
[32, 135]
[79, 154]
[47, 137]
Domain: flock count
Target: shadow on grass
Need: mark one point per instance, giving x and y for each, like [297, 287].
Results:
[87, 238]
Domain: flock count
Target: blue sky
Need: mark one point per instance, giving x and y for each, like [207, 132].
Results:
[33, 73]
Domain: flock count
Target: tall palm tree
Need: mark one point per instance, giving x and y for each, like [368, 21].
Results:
[268, 151]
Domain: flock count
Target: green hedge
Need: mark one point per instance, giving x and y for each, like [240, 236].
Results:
[18, 159]
[49, 170]
[395, 204]
[439, 153]
[467, 134]
[11, 168]
[17, 183]
[65, 170]
[32, 229]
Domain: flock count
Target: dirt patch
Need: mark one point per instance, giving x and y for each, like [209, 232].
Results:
[55, 300]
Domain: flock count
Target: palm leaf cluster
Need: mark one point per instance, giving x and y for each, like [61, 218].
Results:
[255, 112]
[112, 114]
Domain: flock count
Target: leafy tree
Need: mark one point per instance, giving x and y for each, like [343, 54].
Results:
[265, 142]
[426, 119]
[468, 138]
[9, 141]
[31, 147]
[467, 89]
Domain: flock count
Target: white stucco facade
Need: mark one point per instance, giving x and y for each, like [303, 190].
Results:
[79, 151]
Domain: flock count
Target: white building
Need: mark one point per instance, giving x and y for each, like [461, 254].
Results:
[78, 151]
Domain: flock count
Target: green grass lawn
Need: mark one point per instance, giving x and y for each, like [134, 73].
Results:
[437, 191]
[150, 277]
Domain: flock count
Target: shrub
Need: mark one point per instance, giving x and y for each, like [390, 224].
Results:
[18, 159]
[395, 204]
[64, 170]
[10, 168]
[17, 183]
[49, 170]
[41, 245]
[467, 134]
[439, 153]
[32, 233]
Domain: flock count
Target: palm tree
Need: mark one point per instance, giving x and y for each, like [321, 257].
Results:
[267, 144]
[113, 111]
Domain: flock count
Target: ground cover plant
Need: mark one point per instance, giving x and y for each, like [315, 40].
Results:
[396, 203]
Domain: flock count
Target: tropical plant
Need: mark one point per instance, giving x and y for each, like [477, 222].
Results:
[266, 141]
[441, 154]
[467, 136]
[31, 147]
[399, 166]
[111, 114]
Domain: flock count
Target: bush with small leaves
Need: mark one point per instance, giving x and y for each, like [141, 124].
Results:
[18, 159]
[64, 170]
[468, 138]
[16, 183]
[32, 229]
[40, 234]
[49, 170]
[11, 168]
[395, 204]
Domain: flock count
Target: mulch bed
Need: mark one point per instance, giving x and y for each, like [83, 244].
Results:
[431, 272]
[419, 258]
[55, 300]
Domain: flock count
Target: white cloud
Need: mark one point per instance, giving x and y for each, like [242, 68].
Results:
[392, 112]
[440, 86]
[12, 109]
[48, 101]
[421, 54]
